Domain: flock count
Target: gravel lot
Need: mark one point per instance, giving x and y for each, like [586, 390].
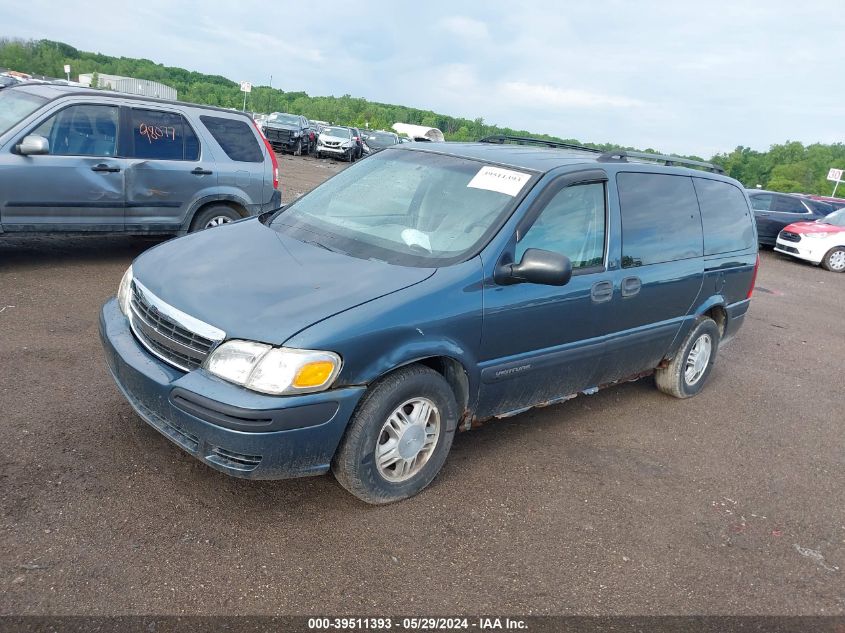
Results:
[625, 502]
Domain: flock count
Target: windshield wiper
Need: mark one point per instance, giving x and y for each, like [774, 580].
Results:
[324, 246]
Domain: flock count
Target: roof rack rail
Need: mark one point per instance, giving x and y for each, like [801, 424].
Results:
[501, 139]
[622, 155]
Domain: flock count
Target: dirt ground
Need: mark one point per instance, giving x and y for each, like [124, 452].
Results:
[625, 502]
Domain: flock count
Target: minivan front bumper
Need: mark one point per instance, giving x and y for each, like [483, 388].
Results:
[234, 430]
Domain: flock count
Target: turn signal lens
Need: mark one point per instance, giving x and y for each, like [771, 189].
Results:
[313, 374]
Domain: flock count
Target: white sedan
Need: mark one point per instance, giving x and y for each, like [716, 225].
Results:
[820, 242]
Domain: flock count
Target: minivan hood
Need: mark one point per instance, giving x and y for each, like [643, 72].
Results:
[257, 284]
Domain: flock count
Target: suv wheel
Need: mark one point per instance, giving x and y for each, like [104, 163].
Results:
[834, 260]
[399, 436]
[214, 216]
[686, 374]
[297, 150]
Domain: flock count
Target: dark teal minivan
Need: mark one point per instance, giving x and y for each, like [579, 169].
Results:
[426, 288]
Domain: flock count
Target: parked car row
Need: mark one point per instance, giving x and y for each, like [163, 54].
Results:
[803, 227]
[298, 135]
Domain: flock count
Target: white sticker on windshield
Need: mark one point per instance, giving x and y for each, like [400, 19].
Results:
[504, 181]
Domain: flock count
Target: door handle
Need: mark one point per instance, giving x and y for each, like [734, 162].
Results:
[199, 171]
[601, 291]
[102, 167]
[630, 286]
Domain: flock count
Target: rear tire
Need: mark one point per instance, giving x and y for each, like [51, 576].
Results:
[834, 260]
[687, 372]
[399, 436]
[214, 216]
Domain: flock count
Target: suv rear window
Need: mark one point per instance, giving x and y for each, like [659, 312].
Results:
[660, 218]
[235, 137]
[725, 216]
[163, 136]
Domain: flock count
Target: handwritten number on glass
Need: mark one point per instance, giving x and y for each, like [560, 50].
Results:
[156, 132]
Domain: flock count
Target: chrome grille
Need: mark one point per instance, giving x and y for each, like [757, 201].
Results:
[163, 331]
[789, 236]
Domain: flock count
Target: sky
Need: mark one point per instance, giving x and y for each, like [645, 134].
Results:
[686, 77]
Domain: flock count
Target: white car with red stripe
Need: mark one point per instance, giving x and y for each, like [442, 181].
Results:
[820, 242]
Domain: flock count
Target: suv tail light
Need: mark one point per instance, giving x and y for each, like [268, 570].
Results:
[753, 277]
[269, 147]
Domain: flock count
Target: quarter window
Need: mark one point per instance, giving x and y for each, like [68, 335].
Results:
[660, 219]
[572, 224]
[724, 215]
[81, 130]
[161, 135]
[235, 137]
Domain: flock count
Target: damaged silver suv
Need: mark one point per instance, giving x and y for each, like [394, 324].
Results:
[80, 160]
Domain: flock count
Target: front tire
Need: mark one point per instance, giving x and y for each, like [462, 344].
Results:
[399, 436]
[214, 216]
[297, 149]
[834, 260]
[687, 372]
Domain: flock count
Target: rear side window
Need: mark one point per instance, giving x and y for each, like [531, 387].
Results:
[235, 137]
[787, 204]
[660, 219]
[163, 136]
[724, 215]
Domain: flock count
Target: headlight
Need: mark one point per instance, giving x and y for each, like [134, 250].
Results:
[814, 236]
[274, 370]
[124, 291]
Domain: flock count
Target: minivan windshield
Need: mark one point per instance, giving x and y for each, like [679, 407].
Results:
[15, 105]
[406, 207]
[837, 218]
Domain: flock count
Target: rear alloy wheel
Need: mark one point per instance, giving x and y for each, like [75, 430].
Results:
[834, 260]
[216, 215]
[399, 436]
[687, 372]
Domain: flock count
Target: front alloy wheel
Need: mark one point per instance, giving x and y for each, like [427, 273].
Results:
[834, 260]
[399, 436]
[407, 439]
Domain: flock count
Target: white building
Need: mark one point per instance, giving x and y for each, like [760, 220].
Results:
[129, 85]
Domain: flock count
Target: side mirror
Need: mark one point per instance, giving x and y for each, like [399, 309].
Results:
[33, 145]
[538, 266]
